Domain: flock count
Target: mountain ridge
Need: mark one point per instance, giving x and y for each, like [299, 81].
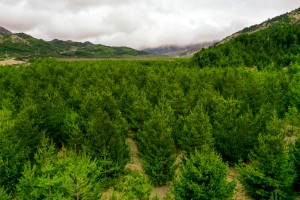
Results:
[289, 18]
[274, 43]
[4, 30]
[23, 46]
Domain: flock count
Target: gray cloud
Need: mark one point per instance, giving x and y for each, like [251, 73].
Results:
[137, 23]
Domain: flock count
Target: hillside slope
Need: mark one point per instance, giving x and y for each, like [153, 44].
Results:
[275, 43]
[22, 45]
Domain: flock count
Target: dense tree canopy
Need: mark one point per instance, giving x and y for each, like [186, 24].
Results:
[169, 108]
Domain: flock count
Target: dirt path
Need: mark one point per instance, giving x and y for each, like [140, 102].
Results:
[240, 193]
[135, 163]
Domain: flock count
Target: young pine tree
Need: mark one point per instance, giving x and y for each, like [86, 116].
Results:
[60, 175]
[196, 130]
[203, 176]
[233, 130]
[271, 172]
[156, 145]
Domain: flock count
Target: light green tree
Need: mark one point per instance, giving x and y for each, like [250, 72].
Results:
[203, 176]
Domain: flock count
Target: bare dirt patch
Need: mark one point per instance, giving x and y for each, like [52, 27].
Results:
[135, 163]
[11, 62]
[296, 16]
[160, 192]
[107, 194]
[240, 192]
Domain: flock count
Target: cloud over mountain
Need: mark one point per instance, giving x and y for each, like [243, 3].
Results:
[137, 23]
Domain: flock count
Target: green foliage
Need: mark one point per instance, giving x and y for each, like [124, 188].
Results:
[156, 145]
[203, 176]
[167, 106]
[13, 153]
[57, 175]
[196, 131]
[234, 130]
[4, 195]
[274, 46]
[271, 172]
[104, 137]
[134, 186]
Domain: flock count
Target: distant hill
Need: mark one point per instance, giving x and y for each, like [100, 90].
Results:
[178, 51]
[275, 43]
[4, 31]
[21, 45]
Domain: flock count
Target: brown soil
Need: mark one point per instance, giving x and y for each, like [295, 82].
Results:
[107, 194]
[135, 163]
[291, 139]
[17, 39]
[11, 62]
[296, 16]
[240, 193]
[160, 192]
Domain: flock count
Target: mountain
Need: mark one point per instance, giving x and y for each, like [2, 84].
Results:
[178, 51]
[287, 19]
[274, 43]
[21, 45]
[4, 31]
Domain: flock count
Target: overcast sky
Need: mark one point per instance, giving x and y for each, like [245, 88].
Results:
[137, 23]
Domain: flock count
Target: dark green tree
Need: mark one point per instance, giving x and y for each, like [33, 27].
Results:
[196, 130]
[13, 154]
[271, 172]
[104, 138]
[233, 129]
[156, 145]
[203, 176]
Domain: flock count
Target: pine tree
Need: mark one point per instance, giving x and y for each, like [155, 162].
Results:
[4, 195]
[105, 138]
[271, 172]
[233, 130]
[134, 186]
[196, 131]
[156, 145]
[203, 176]
[13, 153]
[60, 175]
